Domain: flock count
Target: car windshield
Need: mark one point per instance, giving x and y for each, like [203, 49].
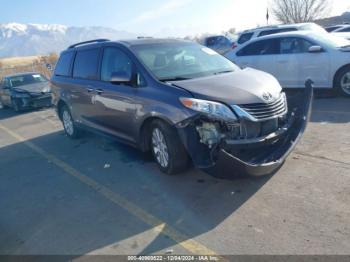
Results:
[22, 80]
[183, 61]
[331, 40]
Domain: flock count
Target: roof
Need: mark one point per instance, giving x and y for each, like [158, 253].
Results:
[275, 27]
[129, 43]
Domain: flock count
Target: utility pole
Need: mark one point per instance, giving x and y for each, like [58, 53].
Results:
[267, 16]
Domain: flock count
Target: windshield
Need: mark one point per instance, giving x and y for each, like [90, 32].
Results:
[331, 40]
[182, 61]
[28, 79]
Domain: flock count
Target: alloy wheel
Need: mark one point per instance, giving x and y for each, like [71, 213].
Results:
[345, 83]
[160, 148]
[68, 122]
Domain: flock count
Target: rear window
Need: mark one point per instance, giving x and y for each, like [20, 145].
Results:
[86, 64]
[63, 64]
[345, 29]
[244, 38]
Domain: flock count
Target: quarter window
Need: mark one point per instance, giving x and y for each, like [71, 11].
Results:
[86, 64]
[63, 65]
[244, 38]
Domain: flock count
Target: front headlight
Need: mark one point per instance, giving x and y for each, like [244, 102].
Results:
[211, 108]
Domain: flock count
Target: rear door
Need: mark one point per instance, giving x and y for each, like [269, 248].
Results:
[84, 84]
[260, 55]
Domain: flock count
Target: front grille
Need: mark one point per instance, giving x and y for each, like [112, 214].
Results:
[265, 111]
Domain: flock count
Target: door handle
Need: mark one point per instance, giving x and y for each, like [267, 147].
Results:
[99, 91]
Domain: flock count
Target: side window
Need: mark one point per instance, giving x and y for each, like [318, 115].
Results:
[263, 47]
[115, 60]
[244, 38]
[345, 29]
[86, 64]
[276, 31]
[63, 64]
[294, 45]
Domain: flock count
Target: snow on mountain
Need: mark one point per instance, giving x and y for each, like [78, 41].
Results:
[36, 39]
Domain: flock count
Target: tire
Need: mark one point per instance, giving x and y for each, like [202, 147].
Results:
[15, 106]
[70, 128]
[167, 148]
[342, 78]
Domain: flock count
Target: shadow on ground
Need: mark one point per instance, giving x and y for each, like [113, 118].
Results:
[47, 211]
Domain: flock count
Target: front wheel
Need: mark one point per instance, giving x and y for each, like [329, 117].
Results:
[69, 126]
[167, 148]
[15, 105]
[342, 82]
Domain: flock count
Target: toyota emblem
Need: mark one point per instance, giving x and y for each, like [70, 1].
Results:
[267, 96]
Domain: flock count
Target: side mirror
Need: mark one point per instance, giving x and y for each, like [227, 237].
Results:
[315, 49]
[120, 78]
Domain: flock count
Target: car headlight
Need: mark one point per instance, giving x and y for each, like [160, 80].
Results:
[209, 107]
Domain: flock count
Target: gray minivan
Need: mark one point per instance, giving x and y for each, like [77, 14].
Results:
[181, 101]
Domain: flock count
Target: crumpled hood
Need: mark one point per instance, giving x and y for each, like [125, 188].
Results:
[240, 87]
[42, 87]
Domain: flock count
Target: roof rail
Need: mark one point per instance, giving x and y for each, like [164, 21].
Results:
[88, 42]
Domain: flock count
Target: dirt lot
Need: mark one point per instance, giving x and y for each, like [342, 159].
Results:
[95, 196]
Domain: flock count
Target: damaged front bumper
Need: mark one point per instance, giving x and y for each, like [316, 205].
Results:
[253, 156]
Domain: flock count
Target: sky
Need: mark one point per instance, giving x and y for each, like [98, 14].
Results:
[150, 17]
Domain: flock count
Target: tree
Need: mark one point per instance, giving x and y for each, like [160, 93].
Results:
[298, 11]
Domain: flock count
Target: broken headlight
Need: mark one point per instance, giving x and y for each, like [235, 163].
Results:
[210, 108]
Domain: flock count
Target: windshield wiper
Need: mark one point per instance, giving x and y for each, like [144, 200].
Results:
[223, 72]
[178, 78]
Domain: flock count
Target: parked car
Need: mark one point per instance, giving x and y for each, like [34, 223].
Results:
[344, 28]
[251, 34]
[179, 100]
[25, 91]
[294, 57]
[220, 43]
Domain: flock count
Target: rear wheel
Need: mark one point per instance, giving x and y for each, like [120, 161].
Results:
[167, 148]
[342, 81]
[70, 127]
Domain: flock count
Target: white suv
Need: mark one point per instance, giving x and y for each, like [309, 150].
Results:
[250, 34]
[294, 57]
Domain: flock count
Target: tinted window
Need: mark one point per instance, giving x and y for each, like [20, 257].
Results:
[63, 64]
[276, 31]
[332, 28]
[263, 47]
[345, 30]
[294, 45]
[115, 60]
[86, 64]
[244, 38]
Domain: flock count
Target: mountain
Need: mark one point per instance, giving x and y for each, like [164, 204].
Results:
[37, 39]
[335, 20]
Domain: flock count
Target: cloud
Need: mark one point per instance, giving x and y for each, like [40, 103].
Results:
[161, 11]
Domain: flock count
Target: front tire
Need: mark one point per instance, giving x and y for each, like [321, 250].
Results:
[167, 148]
[15, 106]
[69, 126]
[342, 82]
